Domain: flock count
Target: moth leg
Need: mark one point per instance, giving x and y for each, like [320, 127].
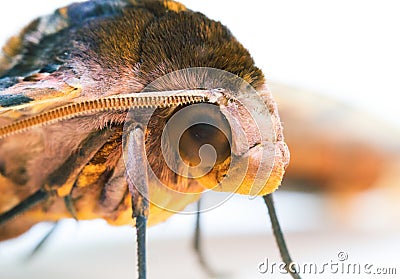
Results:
[23, 206]
[138, 187]
[43, 241]
[280, 240]
[141, 222]
[197, 244]
[69, 204]
[115, 189]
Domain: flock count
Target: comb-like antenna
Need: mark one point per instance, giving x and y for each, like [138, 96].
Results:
[111, 103]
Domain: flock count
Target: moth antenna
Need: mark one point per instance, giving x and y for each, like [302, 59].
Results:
[280, 240]
[23, 206]
[111, 103]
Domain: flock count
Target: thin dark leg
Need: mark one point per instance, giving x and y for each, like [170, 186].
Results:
[69, 204]
[23, 206]
[197, 236]
[197, 245]
[43, 241]
[279, 236]
[138, 187]
[141, 245]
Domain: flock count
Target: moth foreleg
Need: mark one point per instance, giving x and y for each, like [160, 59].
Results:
[136, 162]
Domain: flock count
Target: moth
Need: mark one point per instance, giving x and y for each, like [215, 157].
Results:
[120, 109]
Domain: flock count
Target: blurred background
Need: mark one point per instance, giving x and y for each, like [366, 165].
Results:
[333, 68]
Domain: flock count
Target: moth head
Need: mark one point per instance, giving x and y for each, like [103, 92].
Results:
[232, 144]
[258, 155]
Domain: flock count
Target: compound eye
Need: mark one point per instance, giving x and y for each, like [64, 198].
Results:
[199, 135]
[205, 134]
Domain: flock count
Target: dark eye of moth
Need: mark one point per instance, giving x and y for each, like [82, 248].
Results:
[203, 125]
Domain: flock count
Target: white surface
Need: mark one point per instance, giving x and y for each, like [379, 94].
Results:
[101, 257]
[237, 238]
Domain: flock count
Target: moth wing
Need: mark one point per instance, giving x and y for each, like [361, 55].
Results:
[19, 56]
[28, 98]
[50, 156]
